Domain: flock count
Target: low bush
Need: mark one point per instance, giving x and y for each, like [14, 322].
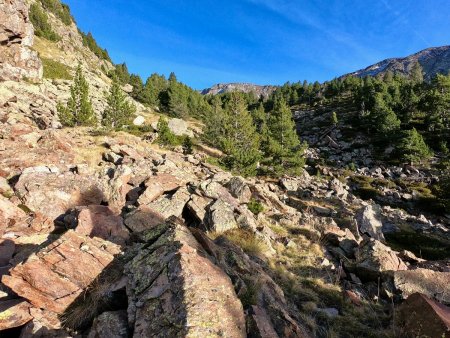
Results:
[255, 207]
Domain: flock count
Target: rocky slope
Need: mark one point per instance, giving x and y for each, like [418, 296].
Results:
[109, 235]
[433, 61]
[221, 88]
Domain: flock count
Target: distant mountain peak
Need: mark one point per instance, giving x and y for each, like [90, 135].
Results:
[221, 88]
[434, 60]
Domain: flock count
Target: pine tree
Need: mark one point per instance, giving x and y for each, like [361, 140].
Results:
[240, 142]
[214, 123]
[166, 136]
[285, 151]
[412, 147]
[78, 111]
[119, 111]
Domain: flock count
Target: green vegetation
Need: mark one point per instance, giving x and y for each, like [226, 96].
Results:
[284, 151]
[55, 70]
[119, 112]
[78, 111]
[165, 136]
[89, 41]
[60, 10]
[412, 147]
[255, 206]
[42, 28]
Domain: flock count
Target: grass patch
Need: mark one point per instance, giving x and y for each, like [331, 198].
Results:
[255, 206]
[55, 70]
[251, 245]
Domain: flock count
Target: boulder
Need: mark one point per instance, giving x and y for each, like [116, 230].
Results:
[14, 313]
[112, 324]
[101, 221]
[157, 185]
[179, 127]
[369, 223]
[171, 205]
[373, 258]
[239, 189]
[433, 284]
[55, 276]
[339, 189]
[220, 217]
[197, 207]
[44, 190]
[139, 121]
[10, 214]
[420, 316]
[143, 218]
[174, 282]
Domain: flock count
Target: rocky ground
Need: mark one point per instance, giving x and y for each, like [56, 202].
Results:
[108, 235]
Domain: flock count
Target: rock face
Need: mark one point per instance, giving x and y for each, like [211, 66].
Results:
[175, 283]
[17, 60]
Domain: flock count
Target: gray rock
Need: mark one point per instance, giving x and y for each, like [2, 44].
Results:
[110, 325]
[239, 189]
[220, 217]
[368, 221]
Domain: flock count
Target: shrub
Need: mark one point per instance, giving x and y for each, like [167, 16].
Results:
[42, 28]
[166, 136]
[89, 41]
[55, 70]
[255, 206]
[187, 145]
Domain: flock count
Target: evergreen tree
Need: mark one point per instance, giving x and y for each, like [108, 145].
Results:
[119, 111]
[383, 117]
[214, 123]
[285, 151]
[417, 73]
[78, 111]
[240, 142]
[138, 87]
[165, 136]
[412, 147]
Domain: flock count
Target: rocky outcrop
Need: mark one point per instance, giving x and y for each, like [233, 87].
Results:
[17, 60]
[175, 283]
[369, 223]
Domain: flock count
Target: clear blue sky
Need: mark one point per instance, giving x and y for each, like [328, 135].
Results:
[260, 41]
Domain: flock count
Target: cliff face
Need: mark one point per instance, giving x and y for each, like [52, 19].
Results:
[17, 60]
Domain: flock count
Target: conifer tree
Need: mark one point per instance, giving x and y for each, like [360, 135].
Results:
[119, 111]
[285, 151]
[412, 147]
[78, 111]
[214, 122]
[240, 142]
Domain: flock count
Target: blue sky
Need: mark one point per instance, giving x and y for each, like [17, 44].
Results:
[261, 41]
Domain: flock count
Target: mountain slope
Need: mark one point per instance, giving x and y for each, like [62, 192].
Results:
[433, 61]
[221, 88]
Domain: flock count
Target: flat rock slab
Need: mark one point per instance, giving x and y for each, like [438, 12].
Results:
[55, 276]
[14, 313]
[175, 290]
[433, 284]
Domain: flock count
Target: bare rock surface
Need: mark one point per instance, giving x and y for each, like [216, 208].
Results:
[55, 276]
[174, 282]
[17, 60]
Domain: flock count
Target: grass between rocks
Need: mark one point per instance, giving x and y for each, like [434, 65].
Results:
[55, 70]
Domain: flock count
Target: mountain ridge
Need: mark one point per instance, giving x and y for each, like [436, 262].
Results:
[433, 60]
